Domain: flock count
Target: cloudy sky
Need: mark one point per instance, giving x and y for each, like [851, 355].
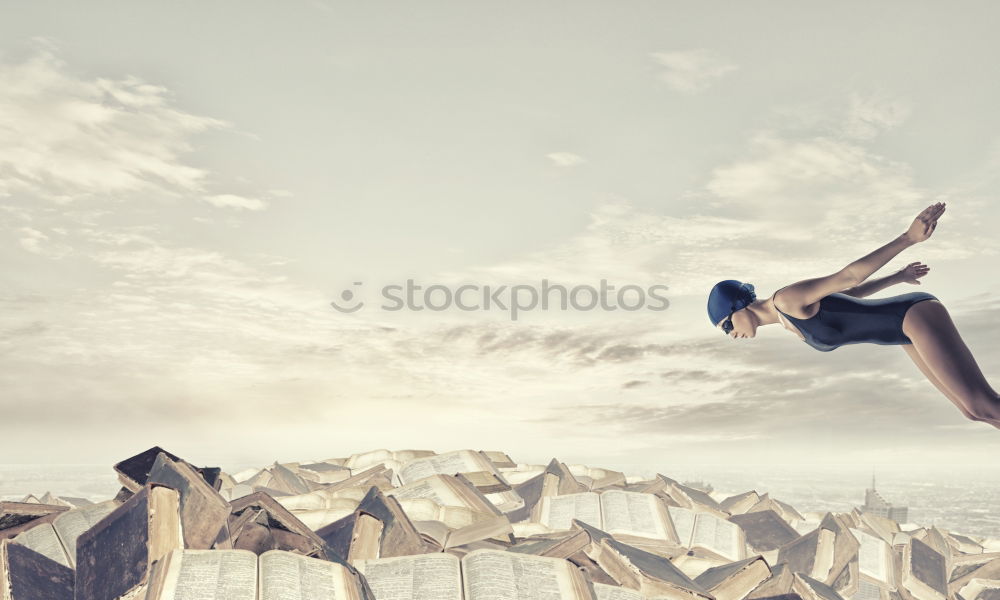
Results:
[185, 187]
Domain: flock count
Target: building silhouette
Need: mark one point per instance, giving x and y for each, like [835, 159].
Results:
[877, 505]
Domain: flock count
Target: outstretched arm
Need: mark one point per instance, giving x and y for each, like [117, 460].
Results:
[808, 291]
[921, 229]
[908, 274]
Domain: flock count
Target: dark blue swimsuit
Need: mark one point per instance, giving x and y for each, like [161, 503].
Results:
[843, 319]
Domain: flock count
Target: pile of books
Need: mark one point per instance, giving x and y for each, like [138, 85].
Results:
[462, 525]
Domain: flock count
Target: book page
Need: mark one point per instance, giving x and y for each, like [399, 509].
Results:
[316, 500]
[613, 592]
[431, 488]
[499, 575]
[633, 513]
[436, 530]
[324, 498]
[316, 519]
[43, 540]
[559, 511]
[211, 575]
[497, 457]
[403, 456]
[421, 509]
[449, 463]
[520, 473]
[525, 529]
[457, 517]
[872, 555]
[717, 535]
[71, 524]
[287, 576]
[683, 519]
[867, 591]
[824, 554]
[418, 577]
[505, 501]
[366, 538]
[363, 460]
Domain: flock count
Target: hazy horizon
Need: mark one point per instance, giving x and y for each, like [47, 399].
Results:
[958, 501]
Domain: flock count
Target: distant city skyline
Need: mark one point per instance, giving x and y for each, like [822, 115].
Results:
[960, 503]
[185, 189]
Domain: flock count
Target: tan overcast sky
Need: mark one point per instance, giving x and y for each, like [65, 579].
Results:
[185, 187]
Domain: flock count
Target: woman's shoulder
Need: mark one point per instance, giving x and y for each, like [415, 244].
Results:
[789, 307]
[779, 301]
[806, 294]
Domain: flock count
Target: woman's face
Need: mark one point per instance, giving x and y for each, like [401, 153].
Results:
[744, 325]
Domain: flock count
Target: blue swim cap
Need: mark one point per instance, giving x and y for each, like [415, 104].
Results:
[728, 296]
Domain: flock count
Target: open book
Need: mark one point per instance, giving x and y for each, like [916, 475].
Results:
[595, 478]
[242, 575]
[614, 511]
[474, 465]
[332, 503]
[479, 575]
[363, 460]
[705, 530]
[16, 517]
[322, 507]
[323, 472]
[874, 556]
[57, 539]
[450, 510]
[604, 591]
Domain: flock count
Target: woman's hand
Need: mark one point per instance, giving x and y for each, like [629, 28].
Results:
[923, 226]
[912, 272]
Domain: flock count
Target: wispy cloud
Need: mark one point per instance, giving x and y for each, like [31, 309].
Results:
[31, 239]
[692, 71]
[842, 194]
[234, 201]
[565, 159]
[869, 115]
[66, 137]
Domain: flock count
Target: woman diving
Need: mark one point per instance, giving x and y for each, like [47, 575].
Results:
[828, 312]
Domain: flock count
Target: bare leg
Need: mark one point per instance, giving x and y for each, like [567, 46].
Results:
[938, 343]
[912, 353]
